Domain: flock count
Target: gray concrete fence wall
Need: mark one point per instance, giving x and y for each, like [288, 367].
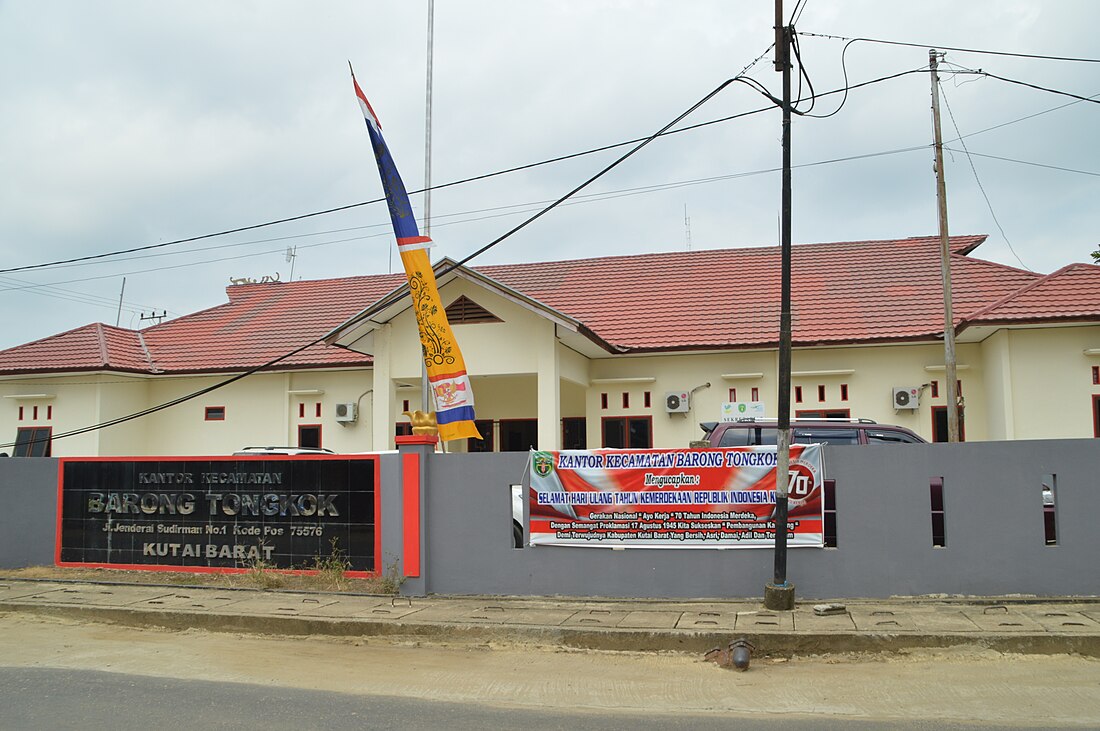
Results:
[28, 516]
[993, 516]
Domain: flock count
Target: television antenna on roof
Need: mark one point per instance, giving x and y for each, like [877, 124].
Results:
[687, 228]
[291, 255]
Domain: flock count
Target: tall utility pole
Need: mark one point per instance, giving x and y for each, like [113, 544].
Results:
[425, 389]
[779, 595]
[428, 122]
[950, 371]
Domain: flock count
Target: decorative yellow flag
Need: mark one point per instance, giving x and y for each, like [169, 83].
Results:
[450, 385]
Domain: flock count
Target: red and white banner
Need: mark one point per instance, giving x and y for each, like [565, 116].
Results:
[681, 498]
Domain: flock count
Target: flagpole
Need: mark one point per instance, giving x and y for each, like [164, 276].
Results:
[425, 391]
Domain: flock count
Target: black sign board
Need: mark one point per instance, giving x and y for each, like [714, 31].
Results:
[218, 513]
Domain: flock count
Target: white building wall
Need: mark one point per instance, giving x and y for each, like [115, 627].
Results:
[260, 410]
[72, 403]
[870, 374]
[1052, 385]
[118, 397]
[996, 354]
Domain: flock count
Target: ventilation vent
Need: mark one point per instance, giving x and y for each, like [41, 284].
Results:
[465, 311]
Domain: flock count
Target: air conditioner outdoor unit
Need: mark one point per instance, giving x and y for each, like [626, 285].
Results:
[906, 397]
[677, 402]
[347, 412]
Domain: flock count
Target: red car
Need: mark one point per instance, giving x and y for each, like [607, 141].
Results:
[753, 432]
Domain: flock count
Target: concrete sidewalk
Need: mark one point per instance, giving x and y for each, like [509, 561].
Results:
[1007, 625]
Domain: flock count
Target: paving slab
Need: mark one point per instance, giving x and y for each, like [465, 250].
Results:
[651, 619]
[191, 601]
[99, 596]
[882, 619]
[708, 620]
[520, 615]
[596, 618]
[942, 619]
[765, 621]
[18, 589]
[277, 604]
[1058, 620]
[358, 608]
[807, 621]
[450, 612]
[1002, 619]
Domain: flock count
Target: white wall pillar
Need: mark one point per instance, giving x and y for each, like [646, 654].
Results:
[549, 387]
[1006, 396]
[385, 394]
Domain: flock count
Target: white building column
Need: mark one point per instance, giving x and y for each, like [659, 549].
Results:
[384, 399]
[549, 387]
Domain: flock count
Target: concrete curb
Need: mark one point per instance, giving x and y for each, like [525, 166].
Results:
[768, 644]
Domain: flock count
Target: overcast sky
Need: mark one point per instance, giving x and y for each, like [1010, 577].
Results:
[129, 123]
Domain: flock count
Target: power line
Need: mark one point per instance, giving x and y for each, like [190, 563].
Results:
[379, 305]
[68, 295]
[496, 211]
[1027, 162]
[978, 180]
[462, 181]
[525, 206]
[606, 169]
[1039, 88]
[1025, 118]
[797, 12]
[940, 46]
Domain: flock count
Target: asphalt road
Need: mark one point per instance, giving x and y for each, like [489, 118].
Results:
[52, 698]
[61, 674]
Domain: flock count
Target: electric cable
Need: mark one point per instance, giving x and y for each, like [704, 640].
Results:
[804, 74]
[497, 212]
[381, 304]
[378, 306]
[69, 295]
[483, 176]
[1028, 162]
[603, 196]
[955, 48]
[797, 12]
[606, 169]
[978, 180]
[1025, 118]
[1078, 97]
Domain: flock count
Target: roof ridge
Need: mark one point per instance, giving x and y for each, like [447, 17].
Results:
[101, 341]
[148, 355]
[1039, 281]
[955, 238]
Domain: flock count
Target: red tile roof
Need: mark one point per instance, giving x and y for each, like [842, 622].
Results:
[1071, 293]
[862, 291]
[91, 347]
[264, 321]
[866, 291]
[259, 323]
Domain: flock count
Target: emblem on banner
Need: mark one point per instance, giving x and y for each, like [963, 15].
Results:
[451, 392]
[542, 463]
